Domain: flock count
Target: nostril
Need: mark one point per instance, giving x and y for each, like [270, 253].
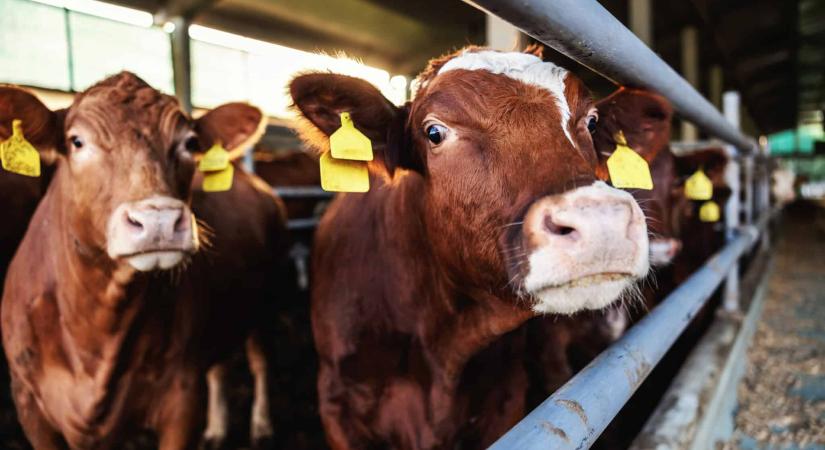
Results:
[133, 222]
[179, 223]
[554, 228]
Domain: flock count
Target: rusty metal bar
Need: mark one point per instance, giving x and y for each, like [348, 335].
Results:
[575, 415]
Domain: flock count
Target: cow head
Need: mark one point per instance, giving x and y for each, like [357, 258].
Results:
[685, 214]
[645, 120]
[499, 145]
[126, 166]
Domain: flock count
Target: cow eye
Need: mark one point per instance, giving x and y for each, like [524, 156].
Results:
[436, 133]
[191, 144]
[76, 142]
[591, 124]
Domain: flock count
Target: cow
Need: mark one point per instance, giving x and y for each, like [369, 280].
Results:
[783, 185]
[23, 193]
[130, 283]
[484, 210]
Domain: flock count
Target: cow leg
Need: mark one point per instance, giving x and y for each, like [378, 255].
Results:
[40, 434]
[181, 414]
[217, 419]
[261, 424]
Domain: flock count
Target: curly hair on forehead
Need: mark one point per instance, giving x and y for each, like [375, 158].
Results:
[434, 65]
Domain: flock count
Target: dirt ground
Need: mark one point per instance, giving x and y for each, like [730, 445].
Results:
[782, 396]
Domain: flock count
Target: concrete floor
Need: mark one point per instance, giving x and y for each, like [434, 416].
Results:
[781, 399]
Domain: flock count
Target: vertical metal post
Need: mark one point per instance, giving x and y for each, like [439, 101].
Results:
[249, 160]
[181, 61]
[503, 36]
[748, 163]
[765, 191]
[690, 70]
[639, 15]
[730, 108]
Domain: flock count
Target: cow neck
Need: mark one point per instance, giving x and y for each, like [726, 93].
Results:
[96, 300]
[468, 319]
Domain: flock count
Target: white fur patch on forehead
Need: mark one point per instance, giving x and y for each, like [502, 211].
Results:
[523, 67]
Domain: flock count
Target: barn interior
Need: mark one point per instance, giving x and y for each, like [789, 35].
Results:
[208, 52]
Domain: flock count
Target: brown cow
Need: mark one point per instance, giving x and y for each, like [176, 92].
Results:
[21, 194]
[484, 210]
[100, 341]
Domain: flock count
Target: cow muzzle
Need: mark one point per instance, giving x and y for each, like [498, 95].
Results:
[585, 248]
[155, 233]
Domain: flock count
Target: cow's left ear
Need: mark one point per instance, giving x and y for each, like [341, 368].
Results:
[42, 127]
[236, 125]
[642, 116]
[320, 98]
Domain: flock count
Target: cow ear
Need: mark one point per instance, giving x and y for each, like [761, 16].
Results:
[711, 160]
[42, 127]
[236, 125]
[643, 117]
[320, 98]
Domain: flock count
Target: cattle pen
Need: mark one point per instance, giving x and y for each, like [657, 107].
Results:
[457, 301]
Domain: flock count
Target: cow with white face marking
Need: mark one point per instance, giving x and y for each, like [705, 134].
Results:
[484, 210]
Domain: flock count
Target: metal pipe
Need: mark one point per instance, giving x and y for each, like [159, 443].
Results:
[589, 34]
[301, 192]
[302, 224]
[733, 178]
[575, 415]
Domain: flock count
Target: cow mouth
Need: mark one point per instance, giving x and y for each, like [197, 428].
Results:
[593, 291]
[588, 280]
[148, 261]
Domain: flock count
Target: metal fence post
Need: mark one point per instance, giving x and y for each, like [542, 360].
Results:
[730, 107]
[765, 191]
[748, 162]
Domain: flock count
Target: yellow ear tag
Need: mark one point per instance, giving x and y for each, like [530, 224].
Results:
[709, 212]
[627, 169]
[18, 155]
[218, 181]
[216, 158]
[340, 175]
[699, 186]
[349, 143]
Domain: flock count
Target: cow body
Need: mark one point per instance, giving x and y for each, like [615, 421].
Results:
[420, 284]
[102, 344]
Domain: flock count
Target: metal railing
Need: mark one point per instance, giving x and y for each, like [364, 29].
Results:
[574, 416]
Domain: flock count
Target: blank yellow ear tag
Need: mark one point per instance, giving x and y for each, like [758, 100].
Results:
[627, 169]
[216, 158]
[709, 212]
[699, 186]
[218, 181]
[18, 155]
[340, 175]
[349, 143]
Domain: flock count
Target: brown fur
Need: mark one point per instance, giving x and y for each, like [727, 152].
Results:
[97, 350]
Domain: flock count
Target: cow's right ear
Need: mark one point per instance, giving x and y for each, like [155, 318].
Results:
[320, 98]
[642, 116]
[42, 127]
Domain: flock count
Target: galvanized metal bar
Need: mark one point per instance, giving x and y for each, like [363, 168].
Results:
[589, 34]
[302, 224]
[733, 178]
[575, 415]
[302, 192]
